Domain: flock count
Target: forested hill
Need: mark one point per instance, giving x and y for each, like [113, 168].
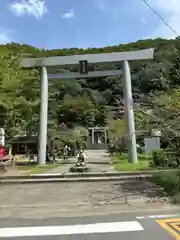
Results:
[84, 102]
[147, 76]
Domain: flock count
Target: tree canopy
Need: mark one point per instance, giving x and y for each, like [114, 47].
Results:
[84, 102]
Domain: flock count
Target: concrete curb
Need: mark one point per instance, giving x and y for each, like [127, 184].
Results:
[79, 177]
[75, 179]
[95, 174]
[89, 162]
[82, 175]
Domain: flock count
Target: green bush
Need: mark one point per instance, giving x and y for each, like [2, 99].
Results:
[173, 161]
[170, 181]
[159, 158]
[176, 198]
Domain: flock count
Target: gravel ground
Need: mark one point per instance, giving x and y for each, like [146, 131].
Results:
[64, 198]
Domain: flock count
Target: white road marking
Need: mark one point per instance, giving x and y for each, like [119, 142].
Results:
[158, 216]
[71, 230]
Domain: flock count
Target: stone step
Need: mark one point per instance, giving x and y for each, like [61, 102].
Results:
[74, 179]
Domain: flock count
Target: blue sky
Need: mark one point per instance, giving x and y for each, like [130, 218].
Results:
[84, 23]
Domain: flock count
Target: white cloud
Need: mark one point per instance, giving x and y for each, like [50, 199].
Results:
[36, 8]
[170, 11]
[69, 14]
[5, 36]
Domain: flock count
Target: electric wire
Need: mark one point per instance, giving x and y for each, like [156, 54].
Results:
[161, 18]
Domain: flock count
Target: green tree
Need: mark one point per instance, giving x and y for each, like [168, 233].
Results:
[142, 120]
[78, 110]
[84, 102]
[116, 129]
[175, 70]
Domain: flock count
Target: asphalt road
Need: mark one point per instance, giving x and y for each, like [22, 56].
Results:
[139, 225]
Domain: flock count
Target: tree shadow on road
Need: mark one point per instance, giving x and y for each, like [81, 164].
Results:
[143, 189]
[127, 192]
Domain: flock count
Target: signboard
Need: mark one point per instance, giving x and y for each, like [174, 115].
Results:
[151, 144]
[2, 136]
[83, 67]
[2, 132]
[155, 133]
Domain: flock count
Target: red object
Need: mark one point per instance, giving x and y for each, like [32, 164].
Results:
[5, 158]
[2, 152]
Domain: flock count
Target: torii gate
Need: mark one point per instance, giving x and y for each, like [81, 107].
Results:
[82, 61]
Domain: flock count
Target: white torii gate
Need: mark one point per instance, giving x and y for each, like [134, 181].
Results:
[83, 61]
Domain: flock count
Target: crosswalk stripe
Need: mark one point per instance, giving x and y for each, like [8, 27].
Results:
[158, 216]
[71, 229]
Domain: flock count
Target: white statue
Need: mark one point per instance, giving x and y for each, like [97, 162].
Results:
[81, 158]
[99, 140]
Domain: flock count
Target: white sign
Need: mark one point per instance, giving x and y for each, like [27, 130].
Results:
[2, 136]
[156, 133]
[152, 144]
[2, 132]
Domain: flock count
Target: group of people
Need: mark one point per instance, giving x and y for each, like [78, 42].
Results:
[81, 156]
[50, 157]
[67, 151]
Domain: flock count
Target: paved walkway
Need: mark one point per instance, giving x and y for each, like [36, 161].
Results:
[98, 161]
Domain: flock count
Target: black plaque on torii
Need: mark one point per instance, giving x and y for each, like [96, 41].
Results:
[83, 67]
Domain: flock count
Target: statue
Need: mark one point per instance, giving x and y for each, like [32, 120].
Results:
[81, 164]
[81, 158]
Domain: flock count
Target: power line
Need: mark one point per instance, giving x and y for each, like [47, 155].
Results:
[161, 18]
